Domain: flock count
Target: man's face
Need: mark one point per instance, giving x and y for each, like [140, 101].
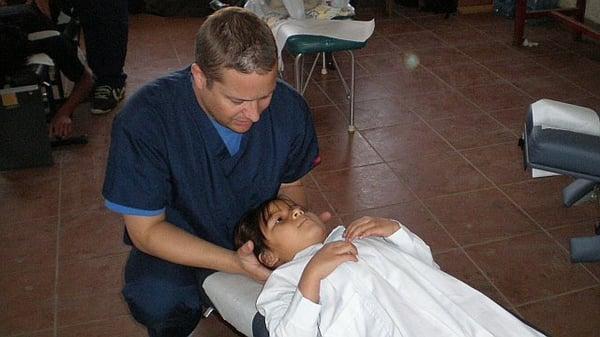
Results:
[237, 100]
[289, 229]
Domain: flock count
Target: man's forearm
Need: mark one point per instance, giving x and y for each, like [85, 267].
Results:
[173, 244]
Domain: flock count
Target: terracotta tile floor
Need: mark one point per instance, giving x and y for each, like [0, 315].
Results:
[436, 147]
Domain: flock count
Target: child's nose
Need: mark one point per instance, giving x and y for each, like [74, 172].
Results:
[296, 212]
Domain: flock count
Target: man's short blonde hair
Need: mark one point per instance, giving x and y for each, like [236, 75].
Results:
[234, 38]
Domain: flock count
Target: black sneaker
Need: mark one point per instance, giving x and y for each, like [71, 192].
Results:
[106, 98]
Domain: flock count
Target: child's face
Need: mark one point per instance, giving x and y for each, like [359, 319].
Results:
[289, 229]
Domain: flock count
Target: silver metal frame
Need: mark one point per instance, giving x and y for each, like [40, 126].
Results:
[302, 83]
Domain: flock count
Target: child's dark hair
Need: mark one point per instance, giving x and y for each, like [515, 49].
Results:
[249, 226]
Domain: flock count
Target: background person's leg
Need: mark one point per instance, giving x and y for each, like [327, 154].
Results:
[105, 29]
[162, 296]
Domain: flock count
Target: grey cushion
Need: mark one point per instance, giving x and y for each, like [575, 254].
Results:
[566, 152]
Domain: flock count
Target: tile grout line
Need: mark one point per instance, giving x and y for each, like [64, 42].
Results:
[335, 212]
[479, 171]
[487, 113]
[460, 93]
[552, 238]
[494, 185]
[57, 249]
[83, 323]
[460, 247]
[550, 297]
[547, 232]
[456, 90]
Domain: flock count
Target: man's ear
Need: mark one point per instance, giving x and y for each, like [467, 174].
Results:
[268, 258]
[198, 76]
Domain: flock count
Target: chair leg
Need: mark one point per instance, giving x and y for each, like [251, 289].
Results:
[349, 89]
[324, 66]
[301, 86]
[351, 127]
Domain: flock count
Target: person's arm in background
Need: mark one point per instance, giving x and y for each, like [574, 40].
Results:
[155, 236]
[59, 49]
[61, 123]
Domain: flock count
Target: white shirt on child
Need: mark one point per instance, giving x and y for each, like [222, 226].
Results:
[395, 289]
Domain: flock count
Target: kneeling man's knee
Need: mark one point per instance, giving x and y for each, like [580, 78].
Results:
[158, 304]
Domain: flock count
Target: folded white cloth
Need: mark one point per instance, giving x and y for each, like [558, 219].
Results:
[550, 114]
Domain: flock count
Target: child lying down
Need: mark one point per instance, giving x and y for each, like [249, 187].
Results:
[374, 278]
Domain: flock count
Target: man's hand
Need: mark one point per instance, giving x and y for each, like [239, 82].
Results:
[368, 226]
[250, 263]
[323, 263]
[325, 217]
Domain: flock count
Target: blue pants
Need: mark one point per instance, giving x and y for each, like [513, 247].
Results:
[167, 298]
[164, 297]
[105, 27]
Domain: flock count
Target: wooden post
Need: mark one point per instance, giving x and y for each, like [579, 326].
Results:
[520, 16]
[580, 16]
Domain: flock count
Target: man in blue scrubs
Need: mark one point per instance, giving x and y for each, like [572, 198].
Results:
[190, 154]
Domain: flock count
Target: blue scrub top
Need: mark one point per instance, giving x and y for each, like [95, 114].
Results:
[166, 156]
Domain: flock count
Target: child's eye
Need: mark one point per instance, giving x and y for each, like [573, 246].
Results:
[278, 221]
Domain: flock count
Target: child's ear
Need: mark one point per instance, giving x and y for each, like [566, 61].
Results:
[268, 258]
